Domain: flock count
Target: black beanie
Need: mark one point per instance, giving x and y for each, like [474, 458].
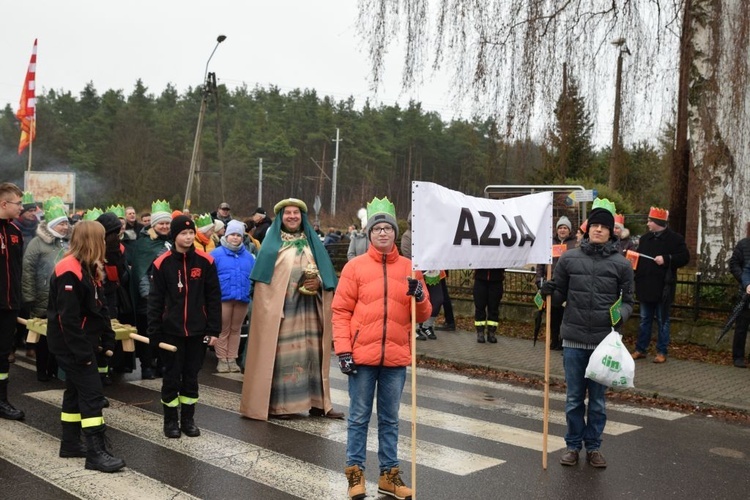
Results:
[110, 222]
[179, 224]
[604, 217]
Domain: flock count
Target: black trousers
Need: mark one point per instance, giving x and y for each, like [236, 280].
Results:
[740, 335]
[487, 297]
[447, 304]
[8, 320]
[436, 298]
[180, 381]
[83, 391]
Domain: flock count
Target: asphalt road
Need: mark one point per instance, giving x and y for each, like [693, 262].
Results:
[476, 439]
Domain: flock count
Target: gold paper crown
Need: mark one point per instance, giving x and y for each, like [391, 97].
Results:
[658, 213]
[54, 212]
[55, 200]
[160, 206]
[619, 219]
[118, 210]
[204, 220]
[605, 204]
[378, 206]
[28, 198]
[93, 214]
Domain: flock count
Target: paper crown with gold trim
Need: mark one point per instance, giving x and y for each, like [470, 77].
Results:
[605, 204]
[160, 211]
[93, 214]
[204, 223]
[658, 213]
[381, 210]
[620, 219]
[27, 198]
[118, 210]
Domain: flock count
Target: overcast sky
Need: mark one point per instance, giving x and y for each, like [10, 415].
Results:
[287, 43]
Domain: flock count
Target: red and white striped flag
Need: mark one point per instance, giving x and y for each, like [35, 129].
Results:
[27, 107]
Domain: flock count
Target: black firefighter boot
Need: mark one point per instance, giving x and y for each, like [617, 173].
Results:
[7, 410]
[71, 445]
[491, 334]
[480, 334]
[97, 455]
[171, 422]
[187, 423]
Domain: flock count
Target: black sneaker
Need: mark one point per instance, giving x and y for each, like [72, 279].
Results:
[421, 335]
[570, 457]
[430, 332]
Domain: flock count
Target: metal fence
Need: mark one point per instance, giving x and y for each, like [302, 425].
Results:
[696, 298]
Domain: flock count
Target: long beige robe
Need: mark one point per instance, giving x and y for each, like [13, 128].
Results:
[268, 307]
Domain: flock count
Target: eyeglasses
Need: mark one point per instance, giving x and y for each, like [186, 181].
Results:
[17, 203]
[382, 229]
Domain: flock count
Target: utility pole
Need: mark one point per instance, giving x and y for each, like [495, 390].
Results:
[615, 158]
[208, 78]
[334, 174]
[260, 182]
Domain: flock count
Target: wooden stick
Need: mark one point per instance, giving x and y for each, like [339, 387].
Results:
[413, 395]
[547, 341]
[146, 340]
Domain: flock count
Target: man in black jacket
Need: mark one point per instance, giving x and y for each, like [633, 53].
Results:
[11, 258]
[592, 279]
[738, 262]
[662, 252]
[184, 307]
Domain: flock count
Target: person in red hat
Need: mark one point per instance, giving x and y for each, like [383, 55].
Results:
[656, 281]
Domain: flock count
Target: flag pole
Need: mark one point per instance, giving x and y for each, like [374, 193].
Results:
[547, 340]
[413, 394]
[31, 141]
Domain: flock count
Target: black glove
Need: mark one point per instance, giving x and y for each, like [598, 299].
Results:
[618, 326]
[415, 289]
[548, 288]
[346, 364]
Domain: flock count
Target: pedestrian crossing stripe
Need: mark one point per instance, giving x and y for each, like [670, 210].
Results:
[429, 454]
[281, 472]
[37, 453]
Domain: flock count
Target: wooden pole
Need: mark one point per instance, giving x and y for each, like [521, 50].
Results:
[413, 395]
[31, 140]
[547, 340]
[146, 340]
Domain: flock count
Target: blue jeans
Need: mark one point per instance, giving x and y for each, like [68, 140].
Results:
[362, 386]
[649, 311]
[587, 431]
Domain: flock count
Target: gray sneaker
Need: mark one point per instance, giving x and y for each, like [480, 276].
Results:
[596, 459]
[570, 457]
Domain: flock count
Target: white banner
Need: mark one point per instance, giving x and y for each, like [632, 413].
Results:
[451, 230]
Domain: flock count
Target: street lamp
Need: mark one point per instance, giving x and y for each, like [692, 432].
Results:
[616, 153]
[207, 88]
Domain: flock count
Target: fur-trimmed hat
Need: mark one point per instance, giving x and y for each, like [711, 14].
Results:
[179, 224]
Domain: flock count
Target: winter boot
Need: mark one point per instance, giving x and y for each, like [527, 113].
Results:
[71, 445]
[420, 333]
[491, 334]
[356, 478]
[430, 332]
[222, 366]
[480, 334]
[171, 422]
[97, 455]
[7, 410]
[390, 484]
[187, 423]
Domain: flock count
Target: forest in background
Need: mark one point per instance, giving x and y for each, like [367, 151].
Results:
[136, 148]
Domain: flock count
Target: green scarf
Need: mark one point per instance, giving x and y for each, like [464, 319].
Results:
[269, 250]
